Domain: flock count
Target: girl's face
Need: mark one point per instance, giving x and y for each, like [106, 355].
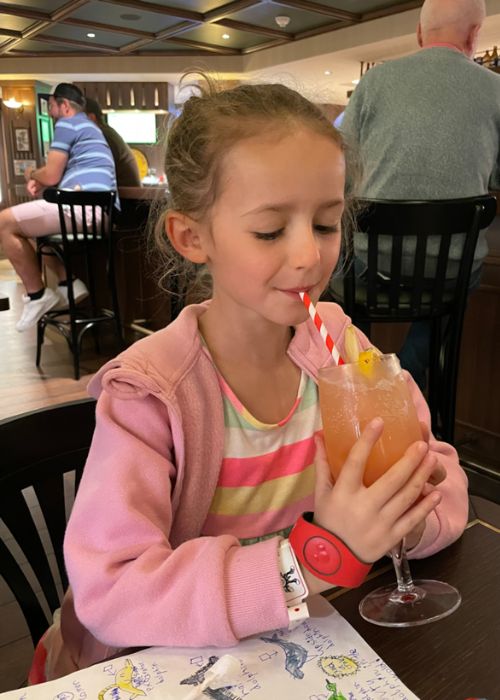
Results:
[275, 227]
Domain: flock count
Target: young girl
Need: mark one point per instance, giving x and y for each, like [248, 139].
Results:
[203, 456]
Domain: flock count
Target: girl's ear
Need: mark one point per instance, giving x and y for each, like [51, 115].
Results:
[183, 233]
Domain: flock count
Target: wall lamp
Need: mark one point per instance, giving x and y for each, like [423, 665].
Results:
[12, 103]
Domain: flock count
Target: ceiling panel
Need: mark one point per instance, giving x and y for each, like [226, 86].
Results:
[15, 23]
[212, 34]
[116, 15]
[139, 24]
[40, 5]
[263, 16]
[34, 46]
[194, 5]
[361, 6]
[78, 34]
[169, 48]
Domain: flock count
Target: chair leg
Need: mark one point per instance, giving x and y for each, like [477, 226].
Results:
[114, 300]
[40, 333]
[95, 335]
[75, 344]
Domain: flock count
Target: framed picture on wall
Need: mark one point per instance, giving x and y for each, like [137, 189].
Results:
[44, 106]
[21, 165]
[22, 139]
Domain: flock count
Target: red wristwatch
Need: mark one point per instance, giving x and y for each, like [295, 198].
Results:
[325, 555]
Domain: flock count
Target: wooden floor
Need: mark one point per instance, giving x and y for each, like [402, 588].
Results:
[24, 387]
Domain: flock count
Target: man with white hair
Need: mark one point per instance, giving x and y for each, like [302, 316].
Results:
[428, 127]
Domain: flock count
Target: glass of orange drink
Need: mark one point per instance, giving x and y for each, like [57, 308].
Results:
[350, 396]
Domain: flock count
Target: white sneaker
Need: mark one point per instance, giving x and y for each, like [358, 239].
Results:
[80, 292]
[34, 309]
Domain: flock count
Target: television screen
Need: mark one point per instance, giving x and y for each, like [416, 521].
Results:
[134, 127]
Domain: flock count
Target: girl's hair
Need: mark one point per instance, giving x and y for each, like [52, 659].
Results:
[211, 123]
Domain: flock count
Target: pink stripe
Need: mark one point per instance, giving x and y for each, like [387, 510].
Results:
[252, 471]
[245, 525]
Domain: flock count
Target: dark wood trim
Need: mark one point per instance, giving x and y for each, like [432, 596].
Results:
[159, 9]
[266, 45]
[254, 29]
[11, 32]
[34, 29]
[23, 12]
[394, 10]
[221, 50]
[172, 54]
[38, 27]
[66, 9]
[229, 9]
[324, 29]
[160, 36]
[176, 30]
[321, 9]
[86, 24]
[74, 42]
[477, 428]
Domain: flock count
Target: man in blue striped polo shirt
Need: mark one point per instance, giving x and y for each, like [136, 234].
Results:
[79, 159]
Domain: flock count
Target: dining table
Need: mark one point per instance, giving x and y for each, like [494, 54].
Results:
[457, 657]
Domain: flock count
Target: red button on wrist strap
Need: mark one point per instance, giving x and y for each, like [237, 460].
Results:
[325, 555]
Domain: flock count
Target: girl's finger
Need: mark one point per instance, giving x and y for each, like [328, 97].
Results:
[398, 475]
[411, 491]
[409, 520]
[438, 475]
[351, 475]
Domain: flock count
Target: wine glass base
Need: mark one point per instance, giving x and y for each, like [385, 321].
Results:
[426, 602]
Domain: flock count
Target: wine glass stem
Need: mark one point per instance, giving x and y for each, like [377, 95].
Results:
[402, 568]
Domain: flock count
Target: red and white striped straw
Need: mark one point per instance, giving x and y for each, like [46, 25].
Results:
[321, 327]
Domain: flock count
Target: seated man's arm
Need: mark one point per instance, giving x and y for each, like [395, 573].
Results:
[51, 173]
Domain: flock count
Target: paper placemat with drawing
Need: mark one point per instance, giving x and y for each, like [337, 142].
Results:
[323, 658]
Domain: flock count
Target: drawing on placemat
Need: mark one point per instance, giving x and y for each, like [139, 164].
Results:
[295, 655]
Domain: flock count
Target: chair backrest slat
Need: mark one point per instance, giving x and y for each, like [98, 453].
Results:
[419, 257]
[39, 449]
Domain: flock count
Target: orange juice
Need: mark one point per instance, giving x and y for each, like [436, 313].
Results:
[351, 396]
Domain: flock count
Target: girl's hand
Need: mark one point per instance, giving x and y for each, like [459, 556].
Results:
[371, 520]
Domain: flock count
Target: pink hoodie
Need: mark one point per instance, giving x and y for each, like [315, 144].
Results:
[141, 575]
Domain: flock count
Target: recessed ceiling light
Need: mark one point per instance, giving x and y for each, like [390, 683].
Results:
[226, 36]
[91, 35]
[328, 72]
[355, 82]
[130, 16]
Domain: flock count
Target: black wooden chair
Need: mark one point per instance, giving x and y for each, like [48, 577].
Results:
[43, 454]
[92, 245]
[408, 291]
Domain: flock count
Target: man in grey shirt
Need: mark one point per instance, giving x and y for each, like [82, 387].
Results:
[428, 127]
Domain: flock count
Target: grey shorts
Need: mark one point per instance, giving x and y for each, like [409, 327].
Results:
[41, 218]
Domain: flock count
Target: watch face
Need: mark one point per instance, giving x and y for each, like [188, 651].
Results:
[322, 556]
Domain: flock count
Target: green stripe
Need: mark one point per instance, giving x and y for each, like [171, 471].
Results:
[234, 419]
[253, 540]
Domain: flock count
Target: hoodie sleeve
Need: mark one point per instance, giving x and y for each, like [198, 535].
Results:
[448, 520]
[131, 587]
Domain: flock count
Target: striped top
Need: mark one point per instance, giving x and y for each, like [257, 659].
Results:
[90, 161]
[267, 476]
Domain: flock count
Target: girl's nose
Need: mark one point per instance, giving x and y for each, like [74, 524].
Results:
[304, 251]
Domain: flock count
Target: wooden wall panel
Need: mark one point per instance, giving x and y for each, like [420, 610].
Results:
[129, 95]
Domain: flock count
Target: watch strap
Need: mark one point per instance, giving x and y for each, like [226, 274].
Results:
[292, 581]
[325, 555]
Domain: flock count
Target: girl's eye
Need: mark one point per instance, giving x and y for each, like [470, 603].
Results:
[326, 229]
[271, 236]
